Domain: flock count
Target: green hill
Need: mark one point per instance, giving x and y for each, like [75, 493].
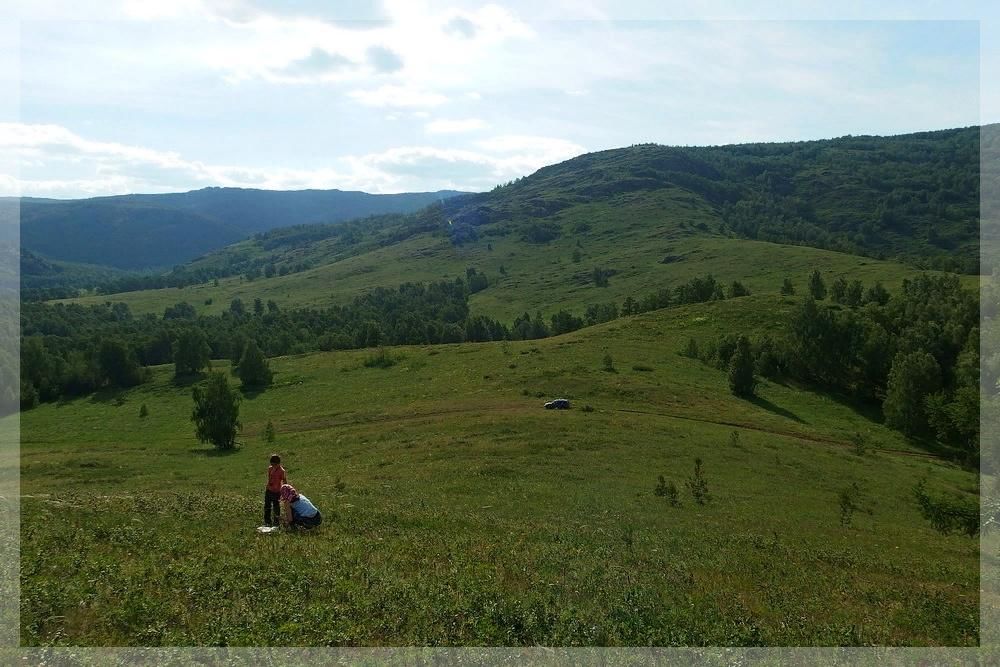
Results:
[458, 511]
[161, 230]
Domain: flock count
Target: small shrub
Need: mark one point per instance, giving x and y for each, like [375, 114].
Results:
[609, 363]
[143, 411]
[860, 446]
[380, 359]
[948, 514]
[737, 289]
[734, 439]
[667, 490]
[847, 498]
[691, 349]
[269, 433]
[600, 276]
[588, 408]
[698, 485]
[339, 485]
[642, 368]
[208, 302]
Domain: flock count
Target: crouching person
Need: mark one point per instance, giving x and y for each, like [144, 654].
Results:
[296, 510]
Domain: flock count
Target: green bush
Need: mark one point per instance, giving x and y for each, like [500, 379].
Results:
[948, 514]
[698, 485]
[381, 359]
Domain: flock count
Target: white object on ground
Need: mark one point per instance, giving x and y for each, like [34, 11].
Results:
[267, 529]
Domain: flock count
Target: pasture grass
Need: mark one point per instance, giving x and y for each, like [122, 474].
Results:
[457, 511]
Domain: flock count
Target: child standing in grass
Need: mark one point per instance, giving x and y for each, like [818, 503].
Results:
[275, 478]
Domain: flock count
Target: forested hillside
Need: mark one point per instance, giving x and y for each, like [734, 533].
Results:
[147, 231]
[910, 197]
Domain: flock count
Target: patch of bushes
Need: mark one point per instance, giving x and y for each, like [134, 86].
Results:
[947, 514]
[380, 359]
[668, 490]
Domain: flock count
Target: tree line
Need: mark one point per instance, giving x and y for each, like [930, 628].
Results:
[69, 349]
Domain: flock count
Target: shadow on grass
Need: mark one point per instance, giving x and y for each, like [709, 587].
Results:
[187, 380]
[251, 393]
[114, 395]
[771, 407]
[214, 451]
[872, 411]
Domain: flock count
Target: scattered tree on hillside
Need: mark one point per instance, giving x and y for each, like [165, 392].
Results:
[787, 289]
[192, 352]
[737, 290]
[741, 366]
[117, 364]
[855, 294]
[698, 485]
[608, 363]
[216, 412]
[600, 276]
[816, 286]
[838, 291]
[254, 370]
[877, 294]
[914, 376]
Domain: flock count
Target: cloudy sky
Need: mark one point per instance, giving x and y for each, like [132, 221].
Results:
[112, 96]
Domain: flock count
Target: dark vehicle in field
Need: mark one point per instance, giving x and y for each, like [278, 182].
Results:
[558, 404]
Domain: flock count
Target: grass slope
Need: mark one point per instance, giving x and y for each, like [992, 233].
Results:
[651, 241]
[460, 512]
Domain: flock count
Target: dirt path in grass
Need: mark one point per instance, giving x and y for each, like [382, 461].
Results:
[334, 421]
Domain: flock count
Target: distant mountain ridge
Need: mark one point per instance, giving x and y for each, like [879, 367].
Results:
[144, 231]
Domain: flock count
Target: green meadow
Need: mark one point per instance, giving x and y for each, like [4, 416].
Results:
[457, 511]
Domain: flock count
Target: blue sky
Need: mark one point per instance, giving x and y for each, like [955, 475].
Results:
[405, 95]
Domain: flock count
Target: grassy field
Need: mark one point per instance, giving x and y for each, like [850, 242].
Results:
[650, 240]
[458, 511]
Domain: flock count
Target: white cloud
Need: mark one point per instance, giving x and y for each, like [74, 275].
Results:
[58, 162]
[454, 126]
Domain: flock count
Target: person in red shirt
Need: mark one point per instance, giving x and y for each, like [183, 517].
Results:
[275, 478]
